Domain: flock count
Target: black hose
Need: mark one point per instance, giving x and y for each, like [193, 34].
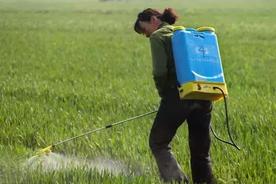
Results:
[232, 143]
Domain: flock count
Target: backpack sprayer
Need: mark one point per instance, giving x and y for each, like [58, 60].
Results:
[198, 67]
[199, 75]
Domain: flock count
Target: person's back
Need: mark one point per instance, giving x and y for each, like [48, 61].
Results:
[164, 73]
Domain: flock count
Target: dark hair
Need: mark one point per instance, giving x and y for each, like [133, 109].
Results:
[169, 16]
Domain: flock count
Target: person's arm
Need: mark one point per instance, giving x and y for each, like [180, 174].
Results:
[159, 64]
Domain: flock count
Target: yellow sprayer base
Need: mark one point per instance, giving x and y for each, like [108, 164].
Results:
[202, 91]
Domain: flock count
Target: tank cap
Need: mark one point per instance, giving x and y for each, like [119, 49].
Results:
[176, 28]
[205, 28]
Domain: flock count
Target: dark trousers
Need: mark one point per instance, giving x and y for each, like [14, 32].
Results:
[171, 114]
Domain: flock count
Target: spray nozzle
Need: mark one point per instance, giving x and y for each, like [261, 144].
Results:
[45, 151]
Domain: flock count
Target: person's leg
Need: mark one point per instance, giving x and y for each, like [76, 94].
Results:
[163, 130]
[199, 142]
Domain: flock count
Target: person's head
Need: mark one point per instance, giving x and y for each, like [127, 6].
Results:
[149, 20]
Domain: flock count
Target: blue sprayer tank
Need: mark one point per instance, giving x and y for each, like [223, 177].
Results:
[198, 64]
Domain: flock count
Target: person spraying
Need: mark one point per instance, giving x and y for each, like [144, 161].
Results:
[173, 111]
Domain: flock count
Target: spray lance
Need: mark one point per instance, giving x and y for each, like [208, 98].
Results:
[49, 149]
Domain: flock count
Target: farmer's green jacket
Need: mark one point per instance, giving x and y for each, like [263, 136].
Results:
[164, 74]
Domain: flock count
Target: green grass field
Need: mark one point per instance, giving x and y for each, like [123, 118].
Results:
[68, 66]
